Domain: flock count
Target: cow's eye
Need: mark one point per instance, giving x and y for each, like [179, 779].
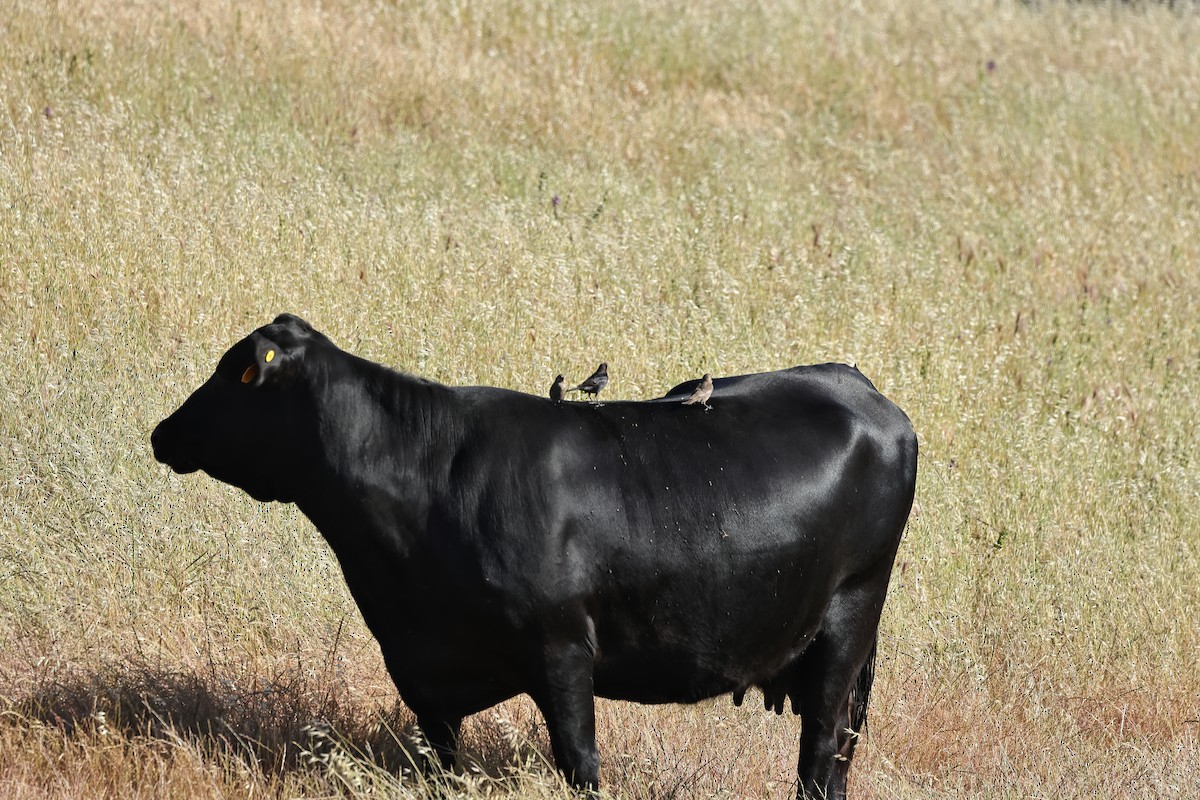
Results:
[250, 373]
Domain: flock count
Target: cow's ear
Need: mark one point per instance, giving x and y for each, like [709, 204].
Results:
[268, 364]
[293, 321]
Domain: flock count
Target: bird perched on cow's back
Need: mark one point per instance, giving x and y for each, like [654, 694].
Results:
[702, 393]
[556, 389]
[595, 382]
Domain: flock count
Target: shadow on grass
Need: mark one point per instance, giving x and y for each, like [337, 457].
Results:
[277, 724]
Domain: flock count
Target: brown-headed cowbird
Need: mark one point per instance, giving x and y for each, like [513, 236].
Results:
[702, 393]
[597, 381]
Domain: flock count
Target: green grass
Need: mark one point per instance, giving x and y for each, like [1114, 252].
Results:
[1011, 252]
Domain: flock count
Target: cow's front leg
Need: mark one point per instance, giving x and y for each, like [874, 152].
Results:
[565, 699]
[442, 734]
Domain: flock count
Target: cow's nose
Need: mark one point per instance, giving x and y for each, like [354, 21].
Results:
[172, 448]
[156, 443]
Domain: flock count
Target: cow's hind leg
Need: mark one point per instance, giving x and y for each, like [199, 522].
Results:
[833, 683]
[566, 700]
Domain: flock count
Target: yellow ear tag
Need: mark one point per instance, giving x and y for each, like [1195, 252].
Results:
[270, 355]
[250, 373]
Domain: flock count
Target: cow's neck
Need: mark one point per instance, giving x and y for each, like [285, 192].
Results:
[384, 436]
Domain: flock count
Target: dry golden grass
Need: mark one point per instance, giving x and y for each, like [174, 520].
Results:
[993, 209]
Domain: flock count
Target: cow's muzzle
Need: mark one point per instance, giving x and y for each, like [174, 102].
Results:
[166, 450]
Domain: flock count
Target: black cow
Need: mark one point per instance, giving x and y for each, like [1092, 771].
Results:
[499, 543]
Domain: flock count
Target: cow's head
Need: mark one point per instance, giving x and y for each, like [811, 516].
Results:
[253, 422]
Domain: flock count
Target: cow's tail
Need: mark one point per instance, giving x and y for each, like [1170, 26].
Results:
[860, 692]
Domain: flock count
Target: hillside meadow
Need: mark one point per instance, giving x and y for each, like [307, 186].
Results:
[992, 208]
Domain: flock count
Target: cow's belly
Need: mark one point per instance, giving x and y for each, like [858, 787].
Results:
[665, 674]
[694, 639]
[659, 677]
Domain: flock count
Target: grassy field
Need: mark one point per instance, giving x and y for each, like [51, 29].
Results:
[992, 208]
